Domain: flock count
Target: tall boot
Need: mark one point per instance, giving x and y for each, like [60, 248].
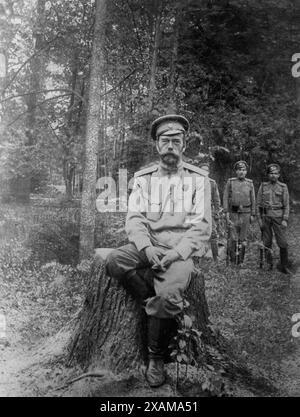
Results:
[242, 252]
[283, 266]
[233, 247]
[214, 249]
[155, 374]
[269, 257]
[237, 252]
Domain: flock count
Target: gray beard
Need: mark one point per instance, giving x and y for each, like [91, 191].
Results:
[170, 160]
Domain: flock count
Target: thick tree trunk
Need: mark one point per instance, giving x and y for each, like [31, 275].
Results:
[112, 328]
[157, 32]
[87, 224]
[174, 56]
[36, 67]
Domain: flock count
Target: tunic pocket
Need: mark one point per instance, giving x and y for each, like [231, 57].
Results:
[154, 211]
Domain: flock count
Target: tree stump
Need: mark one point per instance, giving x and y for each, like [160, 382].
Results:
[111, 330]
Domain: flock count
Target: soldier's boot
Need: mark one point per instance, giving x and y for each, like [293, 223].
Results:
[284, 261]
[269, 258]
[136, 286]
[214, 249]
[232, 252]
[242, 254]
[155, 373]
[238, 253]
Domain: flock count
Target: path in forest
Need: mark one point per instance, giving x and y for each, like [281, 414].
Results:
[290, 365]
[12, 361]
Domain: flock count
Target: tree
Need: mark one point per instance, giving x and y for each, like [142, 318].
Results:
[87, 219]
[111, 330]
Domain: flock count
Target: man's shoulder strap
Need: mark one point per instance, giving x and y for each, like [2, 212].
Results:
[146, 171]
[193, 168]
[282, 184]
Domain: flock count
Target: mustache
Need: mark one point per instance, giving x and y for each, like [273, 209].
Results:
[169, 154]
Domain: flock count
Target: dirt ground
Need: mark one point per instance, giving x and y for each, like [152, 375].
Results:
[252, 308]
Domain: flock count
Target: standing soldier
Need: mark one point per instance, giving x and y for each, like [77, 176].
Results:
[239, 206]
[273, 215]
[215, 212]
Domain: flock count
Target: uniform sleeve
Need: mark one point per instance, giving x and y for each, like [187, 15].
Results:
[286, 204]
[200, 220]
[136, 224]
[259, 201]
[252, 197]
[226, 197]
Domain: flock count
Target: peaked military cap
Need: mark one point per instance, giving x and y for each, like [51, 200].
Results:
[273, 167]
[169, 125]
[240, 164]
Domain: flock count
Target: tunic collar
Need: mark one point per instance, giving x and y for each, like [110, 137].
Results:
[164, 169]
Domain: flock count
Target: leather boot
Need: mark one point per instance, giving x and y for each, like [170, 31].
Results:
[242, 252]
[269, 258]
[155, 374]
[233, 247]
[214, 249]
[283, 266]
[236, 252]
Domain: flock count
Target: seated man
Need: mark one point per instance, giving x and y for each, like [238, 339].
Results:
[169, 218]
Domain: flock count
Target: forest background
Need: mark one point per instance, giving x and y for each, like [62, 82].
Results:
[80, 87]
[225, 65]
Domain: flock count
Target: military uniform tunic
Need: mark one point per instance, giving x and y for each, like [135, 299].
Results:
[169, 211]
[273, 207]
[239, 201]
[215, 207]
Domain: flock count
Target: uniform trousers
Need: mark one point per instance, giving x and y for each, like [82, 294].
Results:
[270, 225]
[169, 285]
[241, 223]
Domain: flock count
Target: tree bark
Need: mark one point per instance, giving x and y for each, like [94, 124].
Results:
[172, 83]
[157, 30]
[36, 67]
[87, 224]
[70, 128]
[112, 327]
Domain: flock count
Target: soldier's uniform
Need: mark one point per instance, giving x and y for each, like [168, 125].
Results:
[215, 211]
[239, 201]
[168, 210]
[273, 208]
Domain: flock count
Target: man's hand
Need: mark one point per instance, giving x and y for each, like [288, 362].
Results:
[170, 256]
[284, 223]
[153, 255]
[252, 218]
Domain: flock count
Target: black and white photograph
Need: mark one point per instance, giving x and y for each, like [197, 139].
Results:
[149, 201]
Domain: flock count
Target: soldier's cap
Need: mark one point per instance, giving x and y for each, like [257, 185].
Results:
[273, 168]
[169, 125]
[240, 164]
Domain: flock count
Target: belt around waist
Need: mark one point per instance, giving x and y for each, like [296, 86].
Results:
[266, 209]
[235, 209]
